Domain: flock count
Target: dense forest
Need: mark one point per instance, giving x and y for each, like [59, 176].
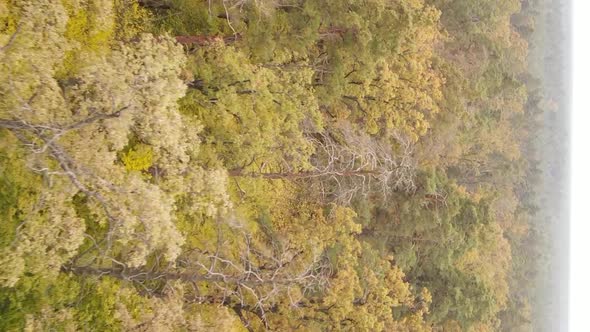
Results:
[280, 165]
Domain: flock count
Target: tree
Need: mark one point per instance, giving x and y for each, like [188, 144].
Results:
[347, 163]
[71, 132]
[251, 115]
[439, 237]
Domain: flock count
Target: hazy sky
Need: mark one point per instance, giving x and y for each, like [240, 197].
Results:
[580, 226]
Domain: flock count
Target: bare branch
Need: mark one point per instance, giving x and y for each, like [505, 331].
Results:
[353, 164]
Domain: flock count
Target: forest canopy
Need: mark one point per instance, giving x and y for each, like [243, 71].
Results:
[251, 165]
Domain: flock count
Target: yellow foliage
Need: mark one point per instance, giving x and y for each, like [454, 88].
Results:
[139, 158]
[8, 21]
[212, 318]
[490, 262]
[90, 29]
[77, 26]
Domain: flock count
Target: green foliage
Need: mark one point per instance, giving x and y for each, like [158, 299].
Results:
[250, 113]
[99, 307]
[143, 187]
[34, 295]
[441, 240]
[131, 20]
[17, 189]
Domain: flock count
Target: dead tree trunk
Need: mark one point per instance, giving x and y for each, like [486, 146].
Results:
[301, 175]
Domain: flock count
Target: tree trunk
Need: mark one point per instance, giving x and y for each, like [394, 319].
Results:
[301, 175]
[154, 4]
[205, 40]
[139, 275]
[334, 32]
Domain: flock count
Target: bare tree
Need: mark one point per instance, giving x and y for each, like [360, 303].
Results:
[347, 162]
[250, 282]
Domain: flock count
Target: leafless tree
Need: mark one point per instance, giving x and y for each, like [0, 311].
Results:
[251, 282]
[347, 163]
